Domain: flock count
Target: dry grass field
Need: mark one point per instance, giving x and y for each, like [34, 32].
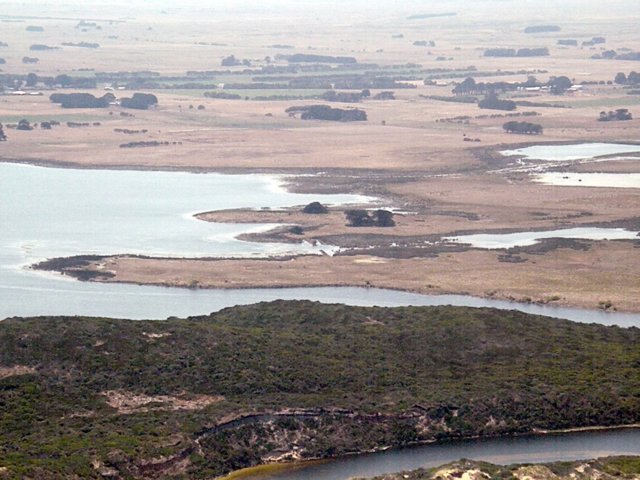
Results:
[412, 152]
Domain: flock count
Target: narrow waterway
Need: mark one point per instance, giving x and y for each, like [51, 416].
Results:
[505, 451]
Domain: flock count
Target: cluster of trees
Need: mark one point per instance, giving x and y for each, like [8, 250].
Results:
[611, 54]
[523, 127]
[632, 79]
[619, 114]
[559, 85]
[594, 41]
[38, 47]
[139, 101]
[315, 208]
[30, 60]
[521, 52]
[82, 100]
[424, 43]
[232, 61]
[24, 125]
[3, 136]
[363, 218]
[492, 102]
[568, 42]
[325, 112]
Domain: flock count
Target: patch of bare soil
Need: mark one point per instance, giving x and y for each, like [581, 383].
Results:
[129, 402]
[15, 371]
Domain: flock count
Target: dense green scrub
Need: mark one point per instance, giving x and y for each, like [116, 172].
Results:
[318, 379]
[600, 469]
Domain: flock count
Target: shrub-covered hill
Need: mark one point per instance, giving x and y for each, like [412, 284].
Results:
[205, 395]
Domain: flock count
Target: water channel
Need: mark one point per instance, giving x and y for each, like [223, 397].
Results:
[504, 451]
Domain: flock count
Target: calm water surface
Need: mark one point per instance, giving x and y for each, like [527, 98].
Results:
[611, 180]
[494, 241]
[582, 151]
[531, 449]
[60, 212]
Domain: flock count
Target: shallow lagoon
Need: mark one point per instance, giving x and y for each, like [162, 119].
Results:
[604, 180]
[582, 151]
[494, 241]
[61, 212]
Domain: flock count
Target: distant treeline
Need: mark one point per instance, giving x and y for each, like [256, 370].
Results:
[512, 52]
[222, 95]
[310, 58]
[556, 85]
[81, 44]
[152, 143]
[65, 81]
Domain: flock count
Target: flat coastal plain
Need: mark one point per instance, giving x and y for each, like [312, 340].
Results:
[424, 154]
